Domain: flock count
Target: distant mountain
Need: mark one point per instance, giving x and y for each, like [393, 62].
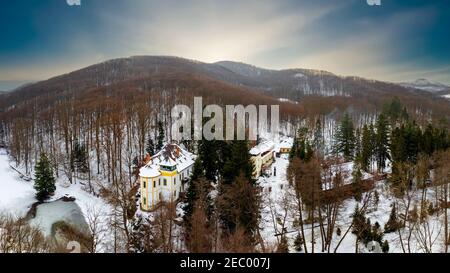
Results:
[426, 85]
[312, 89]
[292, 84]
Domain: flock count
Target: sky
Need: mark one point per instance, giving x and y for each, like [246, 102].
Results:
[399, 40]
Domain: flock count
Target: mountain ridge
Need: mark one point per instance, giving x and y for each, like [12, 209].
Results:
[294, 85]
[426, 85]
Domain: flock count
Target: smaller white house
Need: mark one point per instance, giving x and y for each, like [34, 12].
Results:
[262, 156]
[284, 146]
[165, 176]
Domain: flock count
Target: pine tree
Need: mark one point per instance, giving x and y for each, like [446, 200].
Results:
[398, 145]
[238, 206]
[318, 141]
[197, 170]
[382, 142]
[79, 158]
[150, 147]
[2, 135]
[238, 163]
[393, 223]
[161, 137]
[302, 147]
[135, 161]
[358, 148]
[345, 138]
[412, 136]
[366, 149]
[393, 110]
[294, 149]
[385, 247]
[427, 141]
[357, 182]
[208, 153]
[44, 183]
[192, 191]
[309, 152]
[298, 242]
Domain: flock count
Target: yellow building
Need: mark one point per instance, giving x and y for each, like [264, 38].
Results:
[262, 157]
[165, 176]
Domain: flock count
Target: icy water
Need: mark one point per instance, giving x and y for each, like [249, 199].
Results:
[49, 213]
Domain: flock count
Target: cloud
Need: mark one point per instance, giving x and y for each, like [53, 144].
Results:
[214, 31]
[272, 34]
[369, 49]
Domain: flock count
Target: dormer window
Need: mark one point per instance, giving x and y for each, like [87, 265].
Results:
[167, 168]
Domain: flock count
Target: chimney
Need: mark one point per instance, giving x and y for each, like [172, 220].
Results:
[148, 159]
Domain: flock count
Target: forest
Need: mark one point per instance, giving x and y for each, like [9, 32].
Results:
[98, 135]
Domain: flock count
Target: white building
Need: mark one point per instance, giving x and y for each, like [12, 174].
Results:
[262, 156]
[165, 176]
[284, 146]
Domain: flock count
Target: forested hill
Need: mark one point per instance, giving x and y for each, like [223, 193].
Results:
[313, 91]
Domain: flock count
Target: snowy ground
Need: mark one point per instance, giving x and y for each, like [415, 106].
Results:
[17, 196]
[274, 192]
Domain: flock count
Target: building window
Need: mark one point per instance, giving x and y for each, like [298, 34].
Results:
[145, 184]
[175, 181]
[167, 168]
[145, 201]
[175, 194]
[165, 182]
[154, 184]
[159, 182]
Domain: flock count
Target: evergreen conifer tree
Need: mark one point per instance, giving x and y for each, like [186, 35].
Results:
[238, 163]
[357, 182]
[344, 139]
[393, 223]
[161, 137]
[382, 142]
[385, 247]
[79, 158]
[150, 147]
[318, 141]
[199, 188]
[44, 183]
[366, 149]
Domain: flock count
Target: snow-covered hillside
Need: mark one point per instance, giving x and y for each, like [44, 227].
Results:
[278, 211]
[18, 195]
[426, 85]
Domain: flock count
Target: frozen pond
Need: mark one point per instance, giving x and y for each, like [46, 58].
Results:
[49, 213]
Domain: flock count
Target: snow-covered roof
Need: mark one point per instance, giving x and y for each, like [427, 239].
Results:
[171, 155]
[285, 143]
[149, 171]
[265, 146]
